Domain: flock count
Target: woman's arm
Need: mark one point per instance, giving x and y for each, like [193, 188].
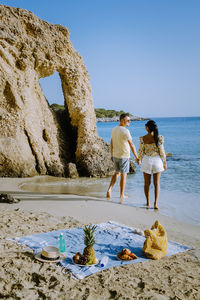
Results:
[141, 149]
[162, 152]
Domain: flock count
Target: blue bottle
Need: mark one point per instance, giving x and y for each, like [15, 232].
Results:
[61, 243]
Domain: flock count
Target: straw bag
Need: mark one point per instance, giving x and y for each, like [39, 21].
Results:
[156, 244]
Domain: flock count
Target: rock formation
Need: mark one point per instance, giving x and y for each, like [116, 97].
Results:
[34, 139]
[6, 198]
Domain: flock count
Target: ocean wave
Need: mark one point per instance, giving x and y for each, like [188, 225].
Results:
[184, 158]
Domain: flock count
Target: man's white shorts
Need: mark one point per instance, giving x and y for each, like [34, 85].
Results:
[151, 164]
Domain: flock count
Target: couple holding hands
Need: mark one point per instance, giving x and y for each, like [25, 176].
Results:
[151, 156]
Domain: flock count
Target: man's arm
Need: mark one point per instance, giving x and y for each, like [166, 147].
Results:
[133, 149]
[111, 149]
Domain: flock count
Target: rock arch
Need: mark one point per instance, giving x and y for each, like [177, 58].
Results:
[33, 139]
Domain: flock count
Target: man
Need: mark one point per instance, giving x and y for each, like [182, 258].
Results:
[121, 143]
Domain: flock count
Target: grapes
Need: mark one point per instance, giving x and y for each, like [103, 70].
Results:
[81, 259]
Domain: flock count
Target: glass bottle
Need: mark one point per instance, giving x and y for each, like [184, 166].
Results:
[61, 243]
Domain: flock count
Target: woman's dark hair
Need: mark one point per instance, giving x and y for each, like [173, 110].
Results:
[153, 128]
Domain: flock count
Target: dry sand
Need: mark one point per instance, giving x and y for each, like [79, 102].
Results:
[22, 277]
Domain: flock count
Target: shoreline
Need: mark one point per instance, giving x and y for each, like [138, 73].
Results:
[93, 209]
[170, 202]
[59, 188]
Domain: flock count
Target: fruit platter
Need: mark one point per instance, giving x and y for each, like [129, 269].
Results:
[84, 260]
[126, 254]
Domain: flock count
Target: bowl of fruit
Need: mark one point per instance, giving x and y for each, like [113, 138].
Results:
[84, 260]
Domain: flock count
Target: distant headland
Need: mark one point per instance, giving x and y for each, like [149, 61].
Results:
[107, 115]
[104, 115]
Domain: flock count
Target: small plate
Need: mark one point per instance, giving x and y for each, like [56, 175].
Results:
[84, 265]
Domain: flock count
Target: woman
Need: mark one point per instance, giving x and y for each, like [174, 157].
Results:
[152, 154]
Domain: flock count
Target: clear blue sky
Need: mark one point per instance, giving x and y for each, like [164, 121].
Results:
[143, 56]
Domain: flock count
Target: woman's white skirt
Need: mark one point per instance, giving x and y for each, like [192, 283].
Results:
[151, 164]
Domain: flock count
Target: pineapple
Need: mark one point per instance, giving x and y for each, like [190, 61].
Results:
[89, 241]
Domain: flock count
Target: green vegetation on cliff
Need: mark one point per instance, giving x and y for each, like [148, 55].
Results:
[57, 107]
[100, 112]
[110, 113]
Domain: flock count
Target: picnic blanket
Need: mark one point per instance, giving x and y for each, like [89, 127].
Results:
[111, 238]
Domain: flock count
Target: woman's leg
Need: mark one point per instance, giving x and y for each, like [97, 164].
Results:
[147, 182]
[156, 182]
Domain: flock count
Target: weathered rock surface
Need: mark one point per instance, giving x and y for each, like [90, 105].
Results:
[72, 170]
[6, 198]
[133, 168]
[34, 139]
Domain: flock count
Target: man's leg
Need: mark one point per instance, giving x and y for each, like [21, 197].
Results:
[112, 183]
[122, 186]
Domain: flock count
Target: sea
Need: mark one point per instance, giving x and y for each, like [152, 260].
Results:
[180, 184]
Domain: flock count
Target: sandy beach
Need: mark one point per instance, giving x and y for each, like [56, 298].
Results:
[22, 277]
